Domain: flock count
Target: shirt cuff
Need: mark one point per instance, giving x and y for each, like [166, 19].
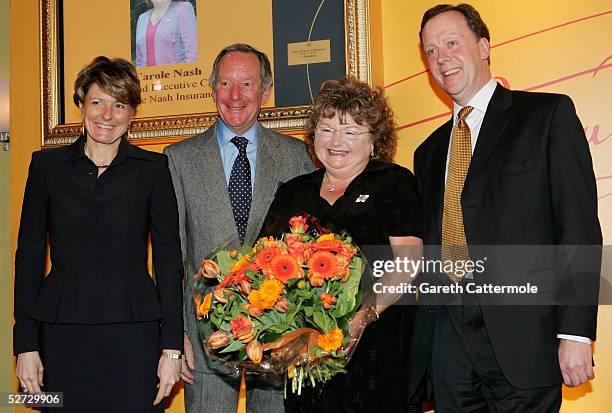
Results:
[580, 339]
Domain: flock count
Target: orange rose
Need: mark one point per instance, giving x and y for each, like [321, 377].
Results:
[296, 248]
[316, 280]
[347, 251]
[331, 340]
[241, 326]
[298, 225]
[330, 246]
[282, 305]
[343, 269]
[328, 301]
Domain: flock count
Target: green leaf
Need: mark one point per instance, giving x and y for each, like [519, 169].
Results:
[347, 299]
[225, 261]
[323, 321]
[235, 345]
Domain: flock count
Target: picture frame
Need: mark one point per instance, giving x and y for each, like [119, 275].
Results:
[167, 128]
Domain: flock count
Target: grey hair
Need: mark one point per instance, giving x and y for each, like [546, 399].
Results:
[265, 70]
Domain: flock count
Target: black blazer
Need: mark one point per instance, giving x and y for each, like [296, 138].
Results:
[98, 230]
[530, 182]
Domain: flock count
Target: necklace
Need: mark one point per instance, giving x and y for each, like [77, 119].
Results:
[330, 187]
[102, 166]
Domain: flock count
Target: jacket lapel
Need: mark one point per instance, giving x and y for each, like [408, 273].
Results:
[437, 170]
[266, 183]
[211, 167]
[493, 128]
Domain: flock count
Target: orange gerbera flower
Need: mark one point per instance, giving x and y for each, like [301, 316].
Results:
[267, 295]
[265, 256]
[322, 264]
[203, 307]
[331, 340]
[284, 268]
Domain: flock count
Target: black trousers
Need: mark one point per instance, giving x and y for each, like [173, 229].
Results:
[464, 372]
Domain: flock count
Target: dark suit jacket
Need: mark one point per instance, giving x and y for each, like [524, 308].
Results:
[98, 230]
[530, 182]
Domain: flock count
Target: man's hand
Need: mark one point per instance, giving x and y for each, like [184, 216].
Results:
[576, 361]
[188, 363]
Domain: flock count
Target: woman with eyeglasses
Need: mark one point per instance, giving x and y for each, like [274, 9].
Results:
[351, 133]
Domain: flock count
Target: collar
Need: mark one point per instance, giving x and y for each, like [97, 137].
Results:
[480, 101]
[225, 134]
[126, 150]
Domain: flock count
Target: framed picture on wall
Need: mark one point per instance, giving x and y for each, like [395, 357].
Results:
[307, 42]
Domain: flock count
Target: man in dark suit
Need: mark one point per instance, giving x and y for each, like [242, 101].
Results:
[225, 179]
[509, 168]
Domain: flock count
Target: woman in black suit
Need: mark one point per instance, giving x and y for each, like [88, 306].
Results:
[106, 332]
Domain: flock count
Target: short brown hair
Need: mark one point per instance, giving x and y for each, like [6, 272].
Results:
[367, 106]
[474, 21]
[116, 77]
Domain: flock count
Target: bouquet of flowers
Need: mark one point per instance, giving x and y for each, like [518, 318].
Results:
[281, 307]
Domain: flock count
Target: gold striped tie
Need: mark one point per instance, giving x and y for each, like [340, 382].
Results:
[454, 244]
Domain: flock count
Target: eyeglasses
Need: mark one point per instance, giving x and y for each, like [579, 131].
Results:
[347, 133]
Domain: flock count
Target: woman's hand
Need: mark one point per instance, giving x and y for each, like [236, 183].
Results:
[169, 372]
[362, 318]
[29, 371]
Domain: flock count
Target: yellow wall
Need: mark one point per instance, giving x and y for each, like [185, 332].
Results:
[5, 250]
[579, 39]
[525, 63]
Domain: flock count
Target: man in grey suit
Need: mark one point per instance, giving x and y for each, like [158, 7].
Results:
[225, 180]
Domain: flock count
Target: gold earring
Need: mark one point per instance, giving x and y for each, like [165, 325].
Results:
[83, 131]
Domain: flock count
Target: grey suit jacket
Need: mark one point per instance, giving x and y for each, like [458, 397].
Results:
[205, 213]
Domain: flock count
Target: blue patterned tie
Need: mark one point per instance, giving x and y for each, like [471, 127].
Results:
[239, 187]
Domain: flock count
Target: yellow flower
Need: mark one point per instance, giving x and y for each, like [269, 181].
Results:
[244, 260]
[267, 295]
[327, 237]
[203, 308]
[331, 340]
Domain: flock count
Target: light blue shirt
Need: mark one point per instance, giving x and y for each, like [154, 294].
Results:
[229, 151]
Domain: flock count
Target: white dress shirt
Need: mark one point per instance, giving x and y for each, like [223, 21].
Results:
[480, 102]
